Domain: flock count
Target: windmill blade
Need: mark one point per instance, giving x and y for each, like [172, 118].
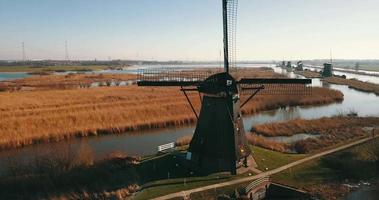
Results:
[168, 83]
[274, 81]
[276, 86]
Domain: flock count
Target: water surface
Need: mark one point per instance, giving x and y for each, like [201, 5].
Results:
[12, 75]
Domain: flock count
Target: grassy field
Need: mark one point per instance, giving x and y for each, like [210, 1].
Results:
[323, 177]
[268, 160]
[50, 68]
[164, 187]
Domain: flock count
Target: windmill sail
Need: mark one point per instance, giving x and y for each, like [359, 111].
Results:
[219, 143]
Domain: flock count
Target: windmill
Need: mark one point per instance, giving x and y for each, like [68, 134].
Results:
[219, 143]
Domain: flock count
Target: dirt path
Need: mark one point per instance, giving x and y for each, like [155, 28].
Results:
[186, 194]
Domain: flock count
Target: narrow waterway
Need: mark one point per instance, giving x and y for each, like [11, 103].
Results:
[145, 143]
[352, 75]
[12, 75]
[364, 193]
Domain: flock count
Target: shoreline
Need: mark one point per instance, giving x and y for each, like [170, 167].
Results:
[351, 83]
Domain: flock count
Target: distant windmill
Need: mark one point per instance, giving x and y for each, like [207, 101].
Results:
[219, 143]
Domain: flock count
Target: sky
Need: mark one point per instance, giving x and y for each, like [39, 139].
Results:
[188, 29]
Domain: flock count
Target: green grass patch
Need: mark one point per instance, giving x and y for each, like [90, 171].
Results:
[272, 159]
[335, 168]
[163, 187]
[309, 173]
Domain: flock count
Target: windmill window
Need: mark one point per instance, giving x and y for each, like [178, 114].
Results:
[229, 82]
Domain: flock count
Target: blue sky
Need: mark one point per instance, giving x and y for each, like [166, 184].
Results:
[187, 29]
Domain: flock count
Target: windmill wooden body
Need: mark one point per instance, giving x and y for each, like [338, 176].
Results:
[219, 143]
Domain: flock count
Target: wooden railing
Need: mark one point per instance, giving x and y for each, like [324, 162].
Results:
[256, 183]
[166, 147]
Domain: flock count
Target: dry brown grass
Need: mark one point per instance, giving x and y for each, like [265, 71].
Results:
[318, 96]
[308, 74]
[69, 81]
[329, 138]
[355, 84]
[53, 115]
[260, 141]
[54, 112]
[317, 125]
[333, 131]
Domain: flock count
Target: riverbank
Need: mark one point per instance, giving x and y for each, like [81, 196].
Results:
[69, 81]
[351, 83]
[308, 74]
[327, 131]
[44, 69]
[355, 84]
[369, 71]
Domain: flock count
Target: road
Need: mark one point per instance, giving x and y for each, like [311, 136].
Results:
[187, 193]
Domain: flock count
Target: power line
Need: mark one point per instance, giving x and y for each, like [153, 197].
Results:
[66, 51]
[23, 52]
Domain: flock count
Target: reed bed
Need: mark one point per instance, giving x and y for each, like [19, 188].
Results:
[297, 126]
[260, 141]
[329, 138]
[318, 96]
[355, 84]
[69, 81]
[309, 74]
[55, 111]
[332, 131]
[54, 115]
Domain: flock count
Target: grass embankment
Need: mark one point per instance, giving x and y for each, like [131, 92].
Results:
[355, 84]
[53, 115]
[308, 74]
[268, 160]
[70, 81]
[333, 131]
[324, 177]
[51, 68]
[351, 83]
[163, 187]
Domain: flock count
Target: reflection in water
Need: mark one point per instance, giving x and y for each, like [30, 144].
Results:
[366, 193]
[325, 84]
